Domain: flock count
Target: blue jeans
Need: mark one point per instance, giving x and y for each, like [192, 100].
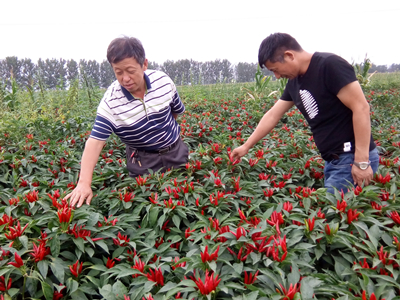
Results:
[338, 171]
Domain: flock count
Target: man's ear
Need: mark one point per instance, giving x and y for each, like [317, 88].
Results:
[289, 55]
[145, 64]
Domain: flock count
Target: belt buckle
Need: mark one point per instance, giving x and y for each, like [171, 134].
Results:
[165, 150]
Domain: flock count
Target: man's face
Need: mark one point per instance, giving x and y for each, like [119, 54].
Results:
[286, 69]
[130, 74]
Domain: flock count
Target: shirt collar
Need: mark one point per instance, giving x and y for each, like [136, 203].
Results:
[129, 96]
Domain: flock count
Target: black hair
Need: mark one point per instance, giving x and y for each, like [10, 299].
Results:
[126, 47]
[274, 46]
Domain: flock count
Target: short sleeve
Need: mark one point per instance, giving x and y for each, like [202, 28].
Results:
[102, 128]
[177, 105]
[338, 73]
[286, 95]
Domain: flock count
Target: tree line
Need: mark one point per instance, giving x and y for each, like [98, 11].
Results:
[384, 69]
[60, 73]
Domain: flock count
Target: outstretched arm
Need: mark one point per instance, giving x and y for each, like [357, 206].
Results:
[267, 123]
[90, 157]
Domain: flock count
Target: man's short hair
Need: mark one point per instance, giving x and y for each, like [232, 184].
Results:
[126, 47]
[274, 46]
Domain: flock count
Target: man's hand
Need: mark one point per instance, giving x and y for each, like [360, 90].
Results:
[239, 152]
[362, 177]
[79, 194]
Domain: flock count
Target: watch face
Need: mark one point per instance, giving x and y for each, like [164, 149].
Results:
[364, 166]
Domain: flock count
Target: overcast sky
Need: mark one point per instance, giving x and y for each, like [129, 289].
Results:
[200, 30]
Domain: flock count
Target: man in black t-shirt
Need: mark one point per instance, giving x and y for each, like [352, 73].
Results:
[323, 86]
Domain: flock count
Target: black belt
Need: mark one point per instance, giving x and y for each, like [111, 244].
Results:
[163, 150]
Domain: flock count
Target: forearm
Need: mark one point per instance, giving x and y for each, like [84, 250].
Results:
[268, 122]
[362, 134]
[353, 97]
[90, 157]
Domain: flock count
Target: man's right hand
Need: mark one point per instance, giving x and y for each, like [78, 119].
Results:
[79, 194]
[239, 152]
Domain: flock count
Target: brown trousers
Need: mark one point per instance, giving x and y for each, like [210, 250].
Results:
[176, 157]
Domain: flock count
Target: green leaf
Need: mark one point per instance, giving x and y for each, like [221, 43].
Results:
[268, 213]
[89, 251]
[251, 296]
[47, 290]
[153, 216]
[119, 289]
[80, 244]
[55, 246]
[102, 268]
[58, 270]
[78, 295]
[307, 204]
[213, 265]
[319, 253]
[43, 267]
[13, 291]
[176, 220]
[127, 272]
[307, 287]
[102, 245]
[178, 289]
[118, 252]
[364, 227]
[107, 292]
[238, 267]
[297, 296]
[168, 286]
[294, 276]
[94, 280]
[304, 246]
[72, 285]
[256, 257]
[24, 241]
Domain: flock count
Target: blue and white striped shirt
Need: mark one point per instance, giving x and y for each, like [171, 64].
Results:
[146, 124]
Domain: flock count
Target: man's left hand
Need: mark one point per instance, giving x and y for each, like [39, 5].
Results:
[362, 177]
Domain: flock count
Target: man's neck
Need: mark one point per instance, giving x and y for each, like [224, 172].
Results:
[140, 93]
[305, 60]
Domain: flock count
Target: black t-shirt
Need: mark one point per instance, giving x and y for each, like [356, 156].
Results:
[314, 94]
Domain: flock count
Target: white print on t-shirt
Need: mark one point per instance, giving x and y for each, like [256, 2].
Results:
[347, 147]
[309, 103]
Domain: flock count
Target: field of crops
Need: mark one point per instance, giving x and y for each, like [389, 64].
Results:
[263, 228]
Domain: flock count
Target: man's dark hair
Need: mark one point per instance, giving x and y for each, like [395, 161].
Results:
[126, 47]
[274, 46]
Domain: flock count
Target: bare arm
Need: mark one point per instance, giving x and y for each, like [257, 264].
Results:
[353, 97]
[90, 157]
[266, 124]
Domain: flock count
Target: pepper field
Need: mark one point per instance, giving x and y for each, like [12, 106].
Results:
[263, 228]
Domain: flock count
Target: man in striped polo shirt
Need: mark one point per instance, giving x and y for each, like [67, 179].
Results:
[141, 107]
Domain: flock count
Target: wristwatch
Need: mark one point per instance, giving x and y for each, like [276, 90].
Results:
[363, 165]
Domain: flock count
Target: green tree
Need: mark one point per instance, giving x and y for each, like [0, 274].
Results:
[169, 68]
[394, 68]
[153, 66]
[72, 71]
[245, 72]
[11, 68]
[93, 72]
[106, 74]
[226, 71]
[28, 71]
[53, 72]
